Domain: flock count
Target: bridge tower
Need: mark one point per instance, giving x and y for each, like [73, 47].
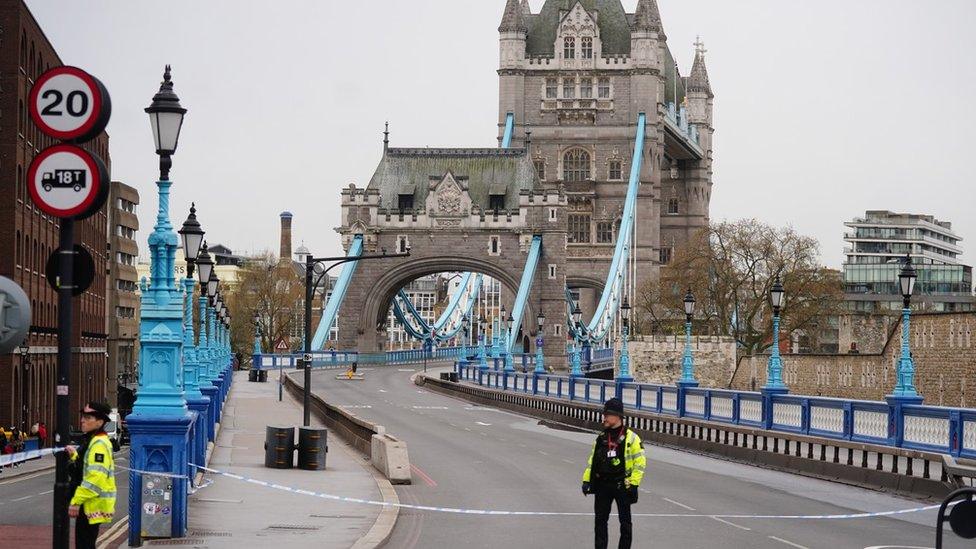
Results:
[576, 75]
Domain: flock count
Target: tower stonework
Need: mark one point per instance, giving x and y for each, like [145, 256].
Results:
[577, 75]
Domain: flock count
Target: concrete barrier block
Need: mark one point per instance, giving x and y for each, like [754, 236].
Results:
[389, 456]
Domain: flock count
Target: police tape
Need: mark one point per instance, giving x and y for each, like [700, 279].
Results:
[20, 457]
[492, 512]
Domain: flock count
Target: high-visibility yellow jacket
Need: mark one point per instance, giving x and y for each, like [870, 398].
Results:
[96, 494]
[635, 460]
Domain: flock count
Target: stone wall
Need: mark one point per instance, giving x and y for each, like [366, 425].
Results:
[868, 332]
[943, 347]
[657, 359]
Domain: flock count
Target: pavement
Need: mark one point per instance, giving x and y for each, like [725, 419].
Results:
[476, 457]
[232, 513]
[26, 501]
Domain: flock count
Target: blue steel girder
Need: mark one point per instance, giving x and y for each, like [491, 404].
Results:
[338, 294]
[525, 286]
[509, 130]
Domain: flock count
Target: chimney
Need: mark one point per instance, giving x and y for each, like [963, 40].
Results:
[285, 253]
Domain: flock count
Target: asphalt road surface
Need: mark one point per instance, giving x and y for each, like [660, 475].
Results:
[473, 457]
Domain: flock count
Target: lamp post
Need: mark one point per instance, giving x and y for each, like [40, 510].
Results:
[509, 324]
[687, 362]
[905, 382]
[465, 326]
[624, 364]
[577, 314]
[540, 320]
[204, 267]
[192, 235]
[24, 385]
[774, 369]
[160, 421]
[482, 344]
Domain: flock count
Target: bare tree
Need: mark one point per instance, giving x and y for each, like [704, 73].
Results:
[275, 292]
[730, 267]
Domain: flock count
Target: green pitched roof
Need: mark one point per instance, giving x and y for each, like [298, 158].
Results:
[410, 171]
[612, 19]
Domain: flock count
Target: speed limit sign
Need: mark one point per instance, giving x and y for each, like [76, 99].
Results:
[69, 104]
[67, 181]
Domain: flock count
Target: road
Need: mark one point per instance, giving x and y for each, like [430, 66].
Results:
[26, 502]
[473, 457]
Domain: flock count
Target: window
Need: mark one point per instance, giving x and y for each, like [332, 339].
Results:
[126, 259]
[552, 272]
[586, 47]
[604, 88]
[586, 88]
[125, 232]
[552, 214]
[496, 203]
[552, 87]
[604, 232]
[558, 329]
[615, 171]
[494, 247]
[672, 206]
[405, 202]
[665, 256]
[569, 48]
[403, 244]
[540, 168]
[569, 88]
[576, 165]
[579, 228]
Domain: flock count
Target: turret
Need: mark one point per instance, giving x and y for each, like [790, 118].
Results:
[699, 90]
[513, 32]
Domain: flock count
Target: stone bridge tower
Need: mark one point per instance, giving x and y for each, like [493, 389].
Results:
[576, 75]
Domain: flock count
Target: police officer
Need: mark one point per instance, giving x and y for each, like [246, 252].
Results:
[614, 473]
[92, 476]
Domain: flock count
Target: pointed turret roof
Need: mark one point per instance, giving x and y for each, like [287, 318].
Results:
[698, 80]
[526, 8]
[614, 24]
[512, 17]
[647, 16]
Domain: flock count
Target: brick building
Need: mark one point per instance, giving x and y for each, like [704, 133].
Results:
[123, 286]
[28, 237]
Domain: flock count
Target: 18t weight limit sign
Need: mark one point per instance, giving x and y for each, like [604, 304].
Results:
[68, 103]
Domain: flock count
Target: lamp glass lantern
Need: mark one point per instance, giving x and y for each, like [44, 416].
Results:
[540, 319]
[212, 283]
[204, 267]
[689, 303]
[906, 279]
[166, 117]
[625, 311]
[776, 294]
[192, 235]
[577, 314]
[509, 322]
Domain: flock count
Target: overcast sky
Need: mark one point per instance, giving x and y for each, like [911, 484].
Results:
[823, 109]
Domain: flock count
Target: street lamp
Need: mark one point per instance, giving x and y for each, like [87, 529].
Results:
[482, 344]
[166, 117]
[24, 387]
[577, 314]
[465, 326]
[624, 353]
[192, 236]
[687, 362]
[774, 373]
[509, 326]
[905, 383]
[540, 321]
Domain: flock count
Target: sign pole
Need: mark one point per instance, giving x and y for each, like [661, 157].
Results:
[62, 494]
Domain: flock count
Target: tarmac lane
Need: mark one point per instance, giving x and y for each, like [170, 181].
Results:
[474, 457]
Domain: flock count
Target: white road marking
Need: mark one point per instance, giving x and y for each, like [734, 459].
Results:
[543, 453]
[353, 406]
[453, 425]
[483, 423]
[740, 527]
[679, 504]
[22, 499]
[467, 428]
[382, 390]
[430, 407]
[567, 461]
[788, 542]
[46, 493]
[406, 370]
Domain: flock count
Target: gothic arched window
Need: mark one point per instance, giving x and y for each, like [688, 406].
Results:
[586, 47]
[576, 165]
[569, 48]
[672, 206]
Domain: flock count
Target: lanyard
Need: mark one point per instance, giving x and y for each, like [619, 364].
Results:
[612, 440]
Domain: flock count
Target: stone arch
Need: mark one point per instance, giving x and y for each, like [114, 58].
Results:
[379, 294]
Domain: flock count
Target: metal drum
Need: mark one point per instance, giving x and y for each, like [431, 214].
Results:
[279, 447]
[252, 375]
[262, 376]
[312, 447]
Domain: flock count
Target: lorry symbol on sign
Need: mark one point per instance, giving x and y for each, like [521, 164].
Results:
[65, 179]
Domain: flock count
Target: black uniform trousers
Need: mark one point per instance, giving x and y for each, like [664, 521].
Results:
[86, 535]
[605, 496]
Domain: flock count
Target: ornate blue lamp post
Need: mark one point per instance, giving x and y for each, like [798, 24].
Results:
[774, 369]
[465, 326]
[624, 363]
[496, 328]
[509, 324]
[160, 421]
[205, 273]
[904, 392]
[192, 236]
[576, 370]
[482, 344]
[540, 320]
[687, 362]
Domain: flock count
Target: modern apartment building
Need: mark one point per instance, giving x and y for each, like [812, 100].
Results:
[878, 245]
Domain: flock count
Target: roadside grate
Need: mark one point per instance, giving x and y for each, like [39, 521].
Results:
[209, 534]
[293, 527]
[179, 541]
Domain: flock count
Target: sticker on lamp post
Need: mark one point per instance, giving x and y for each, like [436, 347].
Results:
[66, 181]
[69, 104]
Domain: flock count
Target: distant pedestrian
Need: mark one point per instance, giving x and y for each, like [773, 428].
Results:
[42, 434]
[614, 473]
[92, 476]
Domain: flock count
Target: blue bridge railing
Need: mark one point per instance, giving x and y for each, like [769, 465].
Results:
[344, 359]
[928, 428]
